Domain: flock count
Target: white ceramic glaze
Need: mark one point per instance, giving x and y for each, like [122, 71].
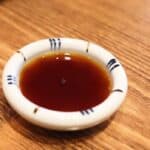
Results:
[58, 120]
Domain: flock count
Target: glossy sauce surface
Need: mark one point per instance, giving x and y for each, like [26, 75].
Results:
[65, 81]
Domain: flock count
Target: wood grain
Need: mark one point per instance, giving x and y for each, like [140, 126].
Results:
[123, 27]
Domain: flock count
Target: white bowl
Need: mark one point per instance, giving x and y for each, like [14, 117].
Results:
[59, 120]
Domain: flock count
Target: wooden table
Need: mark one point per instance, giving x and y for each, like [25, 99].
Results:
[123, 27]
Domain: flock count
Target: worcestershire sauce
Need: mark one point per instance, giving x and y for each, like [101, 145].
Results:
[65, 81]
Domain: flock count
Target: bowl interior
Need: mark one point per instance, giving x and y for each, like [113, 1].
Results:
[65, 80]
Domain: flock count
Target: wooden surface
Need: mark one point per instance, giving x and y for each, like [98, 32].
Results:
[123, 27]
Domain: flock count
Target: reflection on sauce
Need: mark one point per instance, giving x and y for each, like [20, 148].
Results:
[65, 81]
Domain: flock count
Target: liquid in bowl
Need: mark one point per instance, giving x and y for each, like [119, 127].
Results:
[65, 81]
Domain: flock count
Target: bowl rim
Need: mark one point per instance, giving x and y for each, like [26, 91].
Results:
[59, 120]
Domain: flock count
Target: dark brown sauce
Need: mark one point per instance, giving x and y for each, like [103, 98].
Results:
[65, 81]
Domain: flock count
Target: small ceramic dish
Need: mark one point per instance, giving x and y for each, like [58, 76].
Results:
[59, 120]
